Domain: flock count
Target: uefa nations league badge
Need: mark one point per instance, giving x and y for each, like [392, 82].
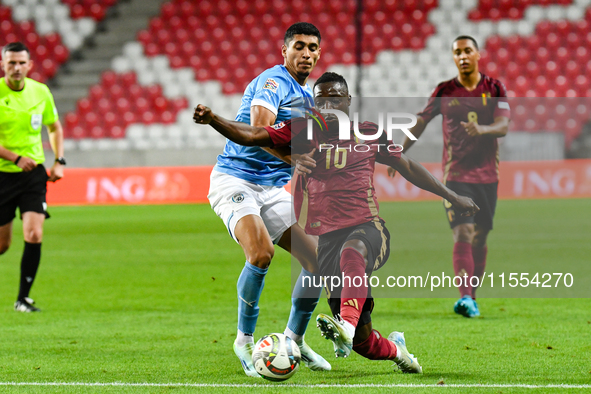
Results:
[36, 120]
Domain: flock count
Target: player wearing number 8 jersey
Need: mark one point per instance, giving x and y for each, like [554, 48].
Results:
[475, 113]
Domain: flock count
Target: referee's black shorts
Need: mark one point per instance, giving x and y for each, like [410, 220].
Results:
[25, 190]
[483, 194]
[376, 238]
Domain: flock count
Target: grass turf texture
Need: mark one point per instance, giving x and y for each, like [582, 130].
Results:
[147, 294]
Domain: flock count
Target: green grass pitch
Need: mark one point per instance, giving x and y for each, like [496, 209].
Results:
[146, 294]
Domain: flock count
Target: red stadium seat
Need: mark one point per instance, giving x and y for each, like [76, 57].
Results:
[41, 53]
[129, 117]
[97, 12]
[128, 79]
[103, 106]
[116, 132]
[60, 53]
[108, 79]
[553, 41]
[512, 70]
[77, 132]
[49, 68]
[84, 106]
[134, 92]
[97, 132]
[552, 71]
[109, 120]
[91, 120]
[123, 105]
[72, 120]
[148, 118]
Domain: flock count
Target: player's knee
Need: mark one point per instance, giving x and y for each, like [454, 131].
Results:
[356, 245]
[464, 233]
[479, 240]
[34, 236]
[262, 257]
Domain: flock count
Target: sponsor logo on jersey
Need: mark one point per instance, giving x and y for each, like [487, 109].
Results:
[271, 84]
[36, 120]
[238, 198]
[453, 103]
[315, 224]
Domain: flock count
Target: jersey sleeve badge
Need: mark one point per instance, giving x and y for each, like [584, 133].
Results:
[271, 84]
[278, 125]
[504, 105]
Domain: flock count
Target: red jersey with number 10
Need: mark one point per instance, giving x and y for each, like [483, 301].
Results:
[468, 159]
[339, 193]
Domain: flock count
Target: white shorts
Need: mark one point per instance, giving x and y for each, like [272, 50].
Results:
[233, 198]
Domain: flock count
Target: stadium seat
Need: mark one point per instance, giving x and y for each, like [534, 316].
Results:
[196, 49]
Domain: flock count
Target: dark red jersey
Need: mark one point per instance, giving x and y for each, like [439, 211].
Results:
[468, 159]
[339, 193]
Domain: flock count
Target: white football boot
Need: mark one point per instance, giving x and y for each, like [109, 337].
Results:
[340, 332]
[406, 362]
[311, 359]
[244, 354]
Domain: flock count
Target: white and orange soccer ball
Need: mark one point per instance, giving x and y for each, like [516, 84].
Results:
[276, 357]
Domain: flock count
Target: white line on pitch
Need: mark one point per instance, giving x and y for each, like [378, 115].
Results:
[237, 385]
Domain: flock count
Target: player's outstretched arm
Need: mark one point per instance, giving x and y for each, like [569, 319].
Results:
[418, 175]
[237, 132]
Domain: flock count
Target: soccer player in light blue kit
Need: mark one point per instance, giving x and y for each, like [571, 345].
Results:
[246, 192]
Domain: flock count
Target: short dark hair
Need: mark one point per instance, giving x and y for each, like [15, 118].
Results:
[15, 47]
[305, 28]
[465, 38]
[331, 77]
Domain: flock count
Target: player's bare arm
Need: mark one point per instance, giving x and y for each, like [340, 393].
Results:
[237, 132]
[417, 131]
[56, 139]
[497, 129]
[23, 162]
[261, 117]
[418, 175]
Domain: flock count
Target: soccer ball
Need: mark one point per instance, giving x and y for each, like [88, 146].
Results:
[276, 357]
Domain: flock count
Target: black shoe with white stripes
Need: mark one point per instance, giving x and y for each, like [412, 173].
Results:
[25, 305]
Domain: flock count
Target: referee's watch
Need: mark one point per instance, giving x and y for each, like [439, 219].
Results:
[61, 160]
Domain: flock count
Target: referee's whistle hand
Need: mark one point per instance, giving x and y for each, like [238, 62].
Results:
[27, 164]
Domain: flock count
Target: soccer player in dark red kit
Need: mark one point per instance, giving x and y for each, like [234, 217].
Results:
[336, 201]
[475, 113]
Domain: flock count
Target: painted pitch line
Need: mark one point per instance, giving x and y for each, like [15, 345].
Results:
[220, 385]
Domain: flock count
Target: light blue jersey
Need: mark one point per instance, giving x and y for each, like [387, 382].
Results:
[276, 90]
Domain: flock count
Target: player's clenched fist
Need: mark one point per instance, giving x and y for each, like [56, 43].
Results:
[202, 115]
[473, 129]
